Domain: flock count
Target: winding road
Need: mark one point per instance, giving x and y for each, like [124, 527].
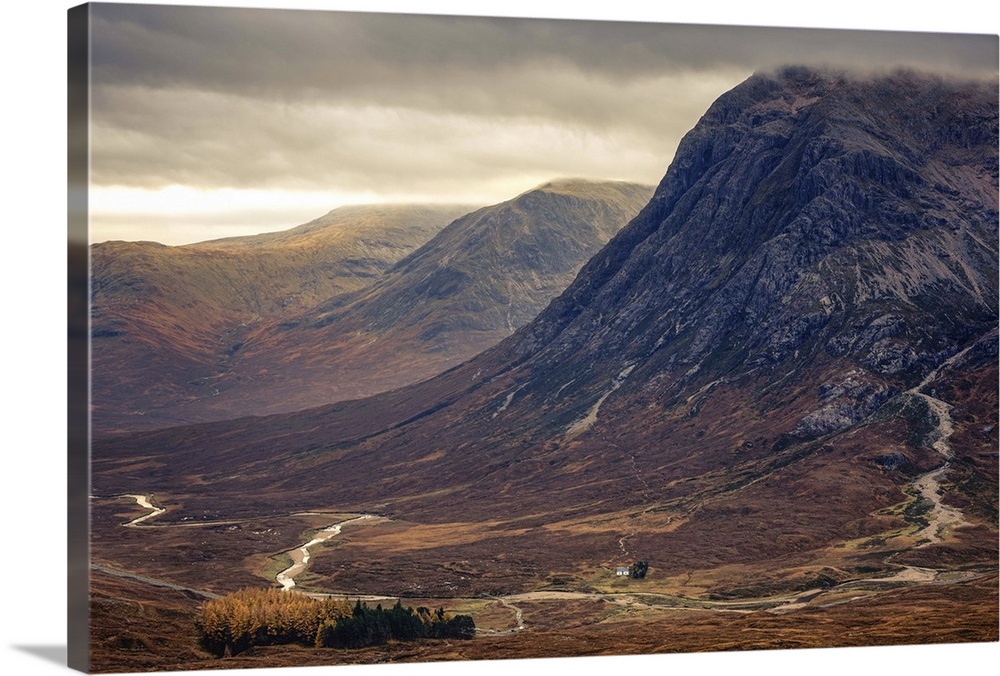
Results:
[152, 581]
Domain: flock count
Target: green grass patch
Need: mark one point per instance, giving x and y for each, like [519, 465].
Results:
[275, 564]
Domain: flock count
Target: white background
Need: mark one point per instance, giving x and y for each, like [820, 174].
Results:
[34, 348]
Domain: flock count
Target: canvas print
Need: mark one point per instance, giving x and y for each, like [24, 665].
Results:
[409, 338]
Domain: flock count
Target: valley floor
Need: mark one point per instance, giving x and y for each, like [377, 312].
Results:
[145, 597]
[907, 616]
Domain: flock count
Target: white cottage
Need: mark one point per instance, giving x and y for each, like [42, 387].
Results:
[621, 571]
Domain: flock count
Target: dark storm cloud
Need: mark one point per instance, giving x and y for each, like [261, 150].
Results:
[291, 53]
[220, 97]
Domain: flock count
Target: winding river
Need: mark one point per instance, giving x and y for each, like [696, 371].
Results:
[782, 603]
[300, 555]
[941, 518]
[144, 502]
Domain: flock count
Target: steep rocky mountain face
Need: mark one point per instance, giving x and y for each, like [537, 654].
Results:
[164, 317]
[485, 275]
[809, 223]
[773, 364]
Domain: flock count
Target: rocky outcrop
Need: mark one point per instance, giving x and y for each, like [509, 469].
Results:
[845, 402]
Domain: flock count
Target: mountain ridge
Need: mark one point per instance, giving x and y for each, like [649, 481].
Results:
[458, 291]
[477, 280]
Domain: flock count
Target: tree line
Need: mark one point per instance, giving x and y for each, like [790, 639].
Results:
[260, 617]
[376, 626]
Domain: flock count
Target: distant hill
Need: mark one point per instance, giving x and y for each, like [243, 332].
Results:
[477, 281]
[163, 317]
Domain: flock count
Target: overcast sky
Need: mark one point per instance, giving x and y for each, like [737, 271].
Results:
[209, 122]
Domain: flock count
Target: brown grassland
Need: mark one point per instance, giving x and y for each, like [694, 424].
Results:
[565, 610]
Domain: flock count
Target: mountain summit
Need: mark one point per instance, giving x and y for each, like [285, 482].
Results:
[800, 210]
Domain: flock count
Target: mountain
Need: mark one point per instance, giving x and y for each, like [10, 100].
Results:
[164, 316]
[780, 375]
[485, 275]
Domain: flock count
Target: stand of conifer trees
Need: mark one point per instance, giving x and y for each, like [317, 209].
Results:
[375, 626]
[259, 617]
